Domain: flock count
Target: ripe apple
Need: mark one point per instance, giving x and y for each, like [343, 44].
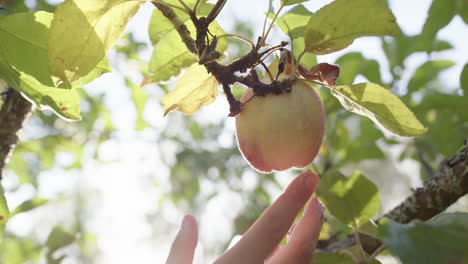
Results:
[277, 132]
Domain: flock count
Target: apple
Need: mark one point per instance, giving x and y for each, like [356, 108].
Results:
[278, 132]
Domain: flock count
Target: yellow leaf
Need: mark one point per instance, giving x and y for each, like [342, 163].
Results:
[194, 89]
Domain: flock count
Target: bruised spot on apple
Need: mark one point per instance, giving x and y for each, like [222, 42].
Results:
[278, 132]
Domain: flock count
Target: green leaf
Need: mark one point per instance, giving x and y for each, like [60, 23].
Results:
[139, 98]
[441, 13]
[463, 10]
[454, 104]
[160, 26]
[102, 67]
[58, 238]
[343, 258]
[335, 26]
[352, 200]
[464, 80]
[398, 48]
[32, 76]
[4, 212]
[329, 258]
[427, 73]
[81, 34]
[170, 54]
[293, 24]
[443, 239]
[370, 228]
[24, 44]
[19, 251]
[366, 139]
[353, 63]
[64, 102]
[294, 21]
[29, 205]
[292, 2]
[381, 106]
[193, 90]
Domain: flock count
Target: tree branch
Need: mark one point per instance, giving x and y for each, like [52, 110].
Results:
[449, 183]
[15, 110]
[225, 74]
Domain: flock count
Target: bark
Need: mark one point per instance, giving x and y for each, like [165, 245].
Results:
[14, 111]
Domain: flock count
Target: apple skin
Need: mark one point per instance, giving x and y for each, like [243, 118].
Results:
[278, 132]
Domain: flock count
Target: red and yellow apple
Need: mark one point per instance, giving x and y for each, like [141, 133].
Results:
[278, 132]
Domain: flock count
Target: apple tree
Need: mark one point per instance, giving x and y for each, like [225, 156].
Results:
[292, 111]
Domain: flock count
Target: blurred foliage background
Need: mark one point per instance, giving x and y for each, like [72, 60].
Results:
[62, 174]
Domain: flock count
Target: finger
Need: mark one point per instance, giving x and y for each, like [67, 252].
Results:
[262, 238]
[303, 239]
[183, 247]
[277, 248]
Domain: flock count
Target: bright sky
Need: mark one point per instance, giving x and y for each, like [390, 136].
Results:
[124, 192]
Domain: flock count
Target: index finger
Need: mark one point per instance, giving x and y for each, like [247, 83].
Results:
[267, 232]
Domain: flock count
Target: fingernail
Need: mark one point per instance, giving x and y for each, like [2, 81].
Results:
[291, 229]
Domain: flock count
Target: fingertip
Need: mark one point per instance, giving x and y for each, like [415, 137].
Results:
[189, 222]
[306, 182]
[183, 247]
[314, 207]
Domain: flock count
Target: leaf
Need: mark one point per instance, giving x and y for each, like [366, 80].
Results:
[169, 57]
[292, 2]
[322, 73]
[293, 24]
[443, 239]
[454, 104]
[335, 26]
[352, 200]
[139, 98]
[4, 212]
[102, 67]
[370, 228]
[31, 77]
[26, 52]
[398, 48]
[29, 205]
[353, 63]
[381, 106]
[441, 13]
[464, 80]
[427, 73]
[81, 34]
[329, 258]
[170, 54]
[194, 89]
[58, 238]
[463, 10]
[294, 21]
[366, 139]
[160, 26]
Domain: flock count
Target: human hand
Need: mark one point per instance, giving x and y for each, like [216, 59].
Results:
[260, 243]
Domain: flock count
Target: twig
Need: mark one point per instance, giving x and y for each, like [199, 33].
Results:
[425, 164]
[181, 28]
[215, 11]
[169, 5]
